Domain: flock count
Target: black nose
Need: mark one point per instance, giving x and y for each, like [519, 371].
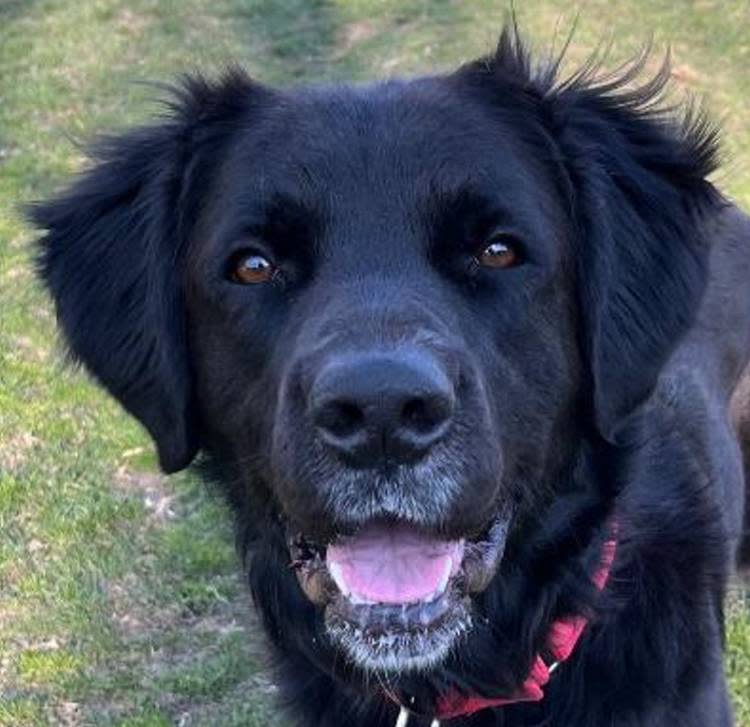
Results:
[385, 407]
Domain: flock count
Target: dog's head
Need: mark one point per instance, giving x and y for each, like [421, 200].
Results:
[391, 313]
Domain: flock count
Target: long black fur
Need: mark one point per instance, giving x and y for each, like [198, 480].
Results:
[629, 179]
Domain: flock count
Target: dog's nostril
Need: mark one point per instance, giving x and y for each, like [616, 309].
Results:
[340, 418]
[422, 415]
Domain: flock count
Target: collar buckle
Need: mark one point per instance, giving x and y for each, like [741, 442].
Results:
[403, 719]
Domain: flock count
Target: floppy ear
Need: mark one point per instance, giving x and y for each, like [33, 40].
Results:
[112, 257]
[640, 194]
[635, 179]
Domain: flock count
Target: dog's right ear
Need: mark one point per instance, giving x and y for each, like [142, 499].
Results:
[112, 255]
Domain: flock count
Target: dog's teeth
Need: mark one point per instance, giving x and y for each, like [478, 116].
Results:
[443, 583]
[338, 578]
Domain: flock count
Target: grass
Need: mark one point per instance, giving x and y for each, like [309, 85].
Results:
[120, 601]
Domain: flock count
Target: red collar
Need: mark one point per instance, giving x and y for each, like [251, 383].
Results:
[561, 641]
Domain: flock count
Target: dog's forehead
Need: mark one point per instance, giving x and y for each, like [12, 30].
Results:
[396, 138]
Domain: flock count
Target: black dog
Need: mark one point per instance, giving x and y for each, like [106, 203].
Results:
[460, 351]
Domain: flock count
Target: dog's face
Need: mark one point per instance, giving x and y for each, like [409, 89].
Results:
[377, 291]
[394, 315]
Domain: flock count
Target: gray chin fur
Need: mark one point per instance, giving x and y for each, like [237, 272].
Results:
[400, 651]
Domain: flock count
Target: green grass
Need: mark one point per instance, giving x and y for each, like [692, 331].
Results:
[120, 602]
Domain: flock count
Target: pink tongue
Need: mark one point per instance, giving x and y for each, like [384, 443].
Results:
[392, 563]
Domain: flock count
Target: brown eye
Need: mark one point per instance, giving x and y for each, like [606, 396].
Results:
[501, 253]
[251, 269]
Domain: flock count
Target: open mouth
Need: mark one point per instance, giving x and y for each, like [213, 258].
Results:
[395, 596]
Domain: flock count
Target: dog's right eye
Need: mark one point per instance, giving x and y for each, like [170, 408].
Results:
[501, 251]
[250, 268]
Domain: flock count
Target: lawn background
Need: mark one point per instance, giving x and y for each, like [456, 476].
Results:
[120, 600]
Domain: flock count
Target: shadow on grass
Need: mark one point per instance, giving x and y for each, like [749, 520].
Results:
[12, 9]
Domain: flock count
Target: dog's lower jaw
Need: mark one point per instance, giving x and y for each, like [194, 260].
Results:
[400, 652]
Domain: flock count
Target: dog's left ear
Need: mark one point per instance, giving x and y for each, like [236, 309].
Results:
[640, 195]
[112, 256]
[635, 180]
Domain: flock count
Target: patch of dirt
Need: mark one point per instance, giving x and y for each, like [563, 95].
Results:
[15, 451]
[236, 700]
[684, 74]
[51, 644]
[390, 64]
[9, 620]
[131, 22]
[152, 489]
[68, 714]
[135, 617]
[139, 619]
[20, 241]
[18, 272]
[30, 350]
[351, 35]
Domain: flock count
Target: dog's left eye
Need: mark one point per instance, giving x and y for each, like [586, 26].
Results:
[501, 251]
[249, 268]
